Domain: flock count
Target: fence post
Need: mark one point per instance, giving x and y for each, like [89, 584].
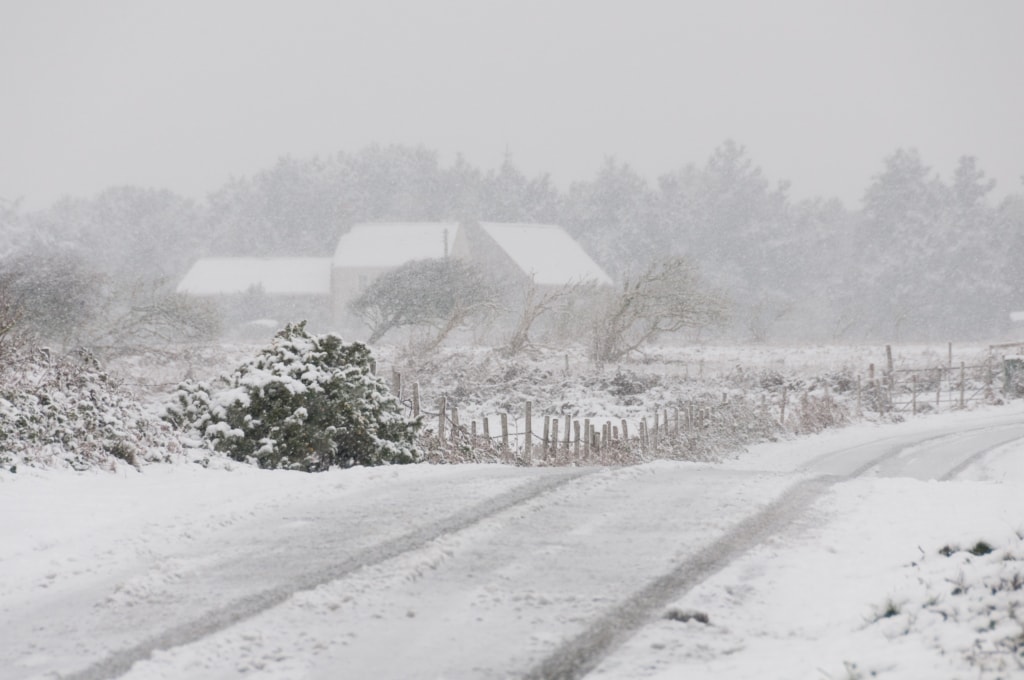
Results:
[528, 445]
[415, 400]
[576, 438]
[938, 391]
[504, 433]
[565, 439]
[888, 359]
[396, 384]
[455, 422]
[487, 430]
[782, 410]
[547, 435]
[441, 418]
[625, 431]
[586, 437]
[554, 436]
[961, 385]
[913, 397]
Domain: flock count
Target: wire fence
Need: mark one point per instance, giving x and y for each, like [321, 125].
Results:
[699, 429]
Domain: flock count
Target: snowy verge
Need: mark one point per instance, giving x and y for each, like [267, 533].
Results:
[866, 585]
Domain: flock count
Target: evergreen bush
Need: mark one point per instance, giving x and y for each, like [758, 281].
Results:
[304, 402]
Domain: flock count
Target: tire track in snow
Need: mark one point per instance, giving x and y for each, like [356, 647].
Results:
[974, 458]
[120, 662]
[581, 654]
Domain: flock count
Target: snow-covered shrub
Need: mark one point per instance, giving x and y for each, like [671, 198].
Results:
[65, 411]
[967, 602]
[303, 402]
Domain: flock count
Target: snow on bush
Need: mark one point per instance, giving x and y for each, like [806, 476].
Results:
[303, 402]
[967, 601]
[58, 411]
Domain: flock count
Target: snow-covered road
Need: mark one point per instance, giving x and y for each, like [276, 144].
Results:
[458, 572]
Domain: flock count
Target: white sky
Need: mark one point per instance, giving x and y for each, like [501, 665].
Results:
[184, 94]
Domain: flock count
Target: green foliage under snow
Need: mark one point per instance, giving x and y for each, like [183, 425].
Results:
[303, 402]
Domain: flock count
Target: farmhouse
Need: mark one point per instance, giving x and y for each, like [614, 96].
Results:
[249, 289]
[320, 288]
[371, 249]
[543, 254]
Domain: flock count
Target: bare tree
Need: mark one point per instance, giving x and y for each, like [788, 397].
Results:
[443, 294]
[537, 303]
[666, 297]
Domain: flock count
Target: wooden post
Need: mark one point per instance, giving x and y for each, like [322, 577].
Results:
[961, 385]
[644, 439]
[396, 384]
[504, 433]
[528, 445]
[415, 400]
[888, 359]
[615, 433]
[554, 435]
[625, 431]
[472, 430]
[443, 408]
[892, 380]
[950, 355]
[782, 410]
[675, 423]
[655, 430]
[913, 397]
[455, 422]
[487, 431]
[871, 373]
[565, 441]
[938, 391]
[576, 439]
[586, 437]
[547, 435]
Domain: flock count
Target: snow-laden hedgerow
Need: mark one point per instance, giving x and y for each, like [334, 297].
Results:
[58, 411]
[303, 402]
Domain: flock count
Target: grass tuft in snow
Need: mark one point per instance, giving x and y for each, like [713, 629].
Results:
[970, 603]
[686, 615]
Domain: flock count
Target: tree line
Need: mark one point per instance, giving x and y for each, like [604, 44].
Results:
[921, 258]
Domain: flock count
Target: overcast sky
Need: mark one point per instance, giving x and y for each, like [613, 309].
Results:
[184, 94]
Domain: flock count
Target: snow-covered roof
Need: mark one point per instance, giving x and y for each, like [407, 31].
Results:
[390, 244]
[546, 252]
[274, 275]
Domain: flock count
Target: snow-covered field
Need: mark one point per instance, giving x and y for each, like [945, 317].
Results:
[487, 571]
